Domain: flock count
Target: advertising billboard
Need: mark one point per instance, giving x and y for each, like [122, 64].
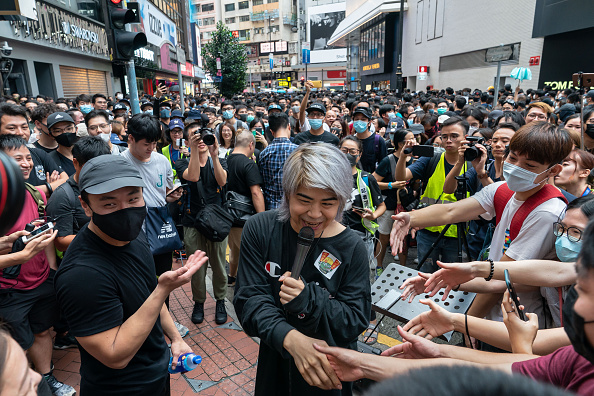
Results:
[158, 28]
[323, 21]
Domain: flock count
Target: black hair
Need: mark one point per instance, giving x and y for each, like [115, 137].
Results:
[475, 112]
[144, 126]
[43, 111]
[255, 121]
[82, 98]
[277, 121]
[399, 136]
[11, 142]
[385, 109]
[514, 116]
[469, 381]
[456, 120]
[89, 147]
[96, 113]
[12, 110]
[98, 95]
[460, 101]
[354, 139]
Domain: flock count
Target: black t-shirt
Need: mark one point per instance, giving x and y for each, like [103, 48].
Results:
[64, 163]
[372, 156]
[66, 209]
[352, 219]
[242, 174]
[42, 163]
[100, 286]
[209, 183]
[307, 137]
[384, 169]
[47, 150]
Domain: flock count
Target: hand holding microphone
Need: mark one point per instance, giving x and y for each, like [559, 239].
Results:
[292, 286]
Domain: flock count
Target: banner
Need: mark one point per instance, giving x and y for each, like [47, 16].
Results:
[158, 28]
[323, 21]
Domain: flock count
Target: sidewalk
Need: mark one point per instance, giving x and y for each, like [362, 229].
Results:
[229, 356]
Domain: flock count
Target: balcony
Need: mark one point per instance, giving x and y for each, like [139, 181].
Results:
[290, 19]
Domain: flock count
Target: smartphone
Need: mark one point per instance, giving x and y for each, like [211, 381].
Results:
[514, 296]
[420, 151]
[47, 227]
[358, 208]
[177, 188]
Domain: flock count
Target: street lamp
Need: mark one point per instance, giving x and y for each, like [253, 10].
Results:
[221, 76]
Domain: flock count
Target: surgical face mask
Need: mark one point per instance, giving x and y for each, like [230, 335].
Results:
[295, 110]
[431, 111]
[165, 113]
[441, 110]
[391, 115]
[228, 114]
[316, 123]
[148, 112]
[360, 126]
[519, 179]
[566, 250]
[119, 96]
[122, 225]
[410, 122]
[86, 109]
[265, 125]
[105, 136]
[66, 139]
[249, 118]
[472, 130]
[574, 326]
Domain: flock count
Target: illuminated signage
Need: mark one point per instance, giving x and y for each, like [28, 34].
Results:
[371, 67]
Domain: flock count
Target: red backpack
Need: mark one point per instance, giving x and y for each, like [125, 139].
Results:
[504, 194]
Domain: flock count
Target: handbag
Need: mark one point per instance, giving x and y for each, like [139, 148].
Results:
[240, 207]
[160, 231]
[213, 220]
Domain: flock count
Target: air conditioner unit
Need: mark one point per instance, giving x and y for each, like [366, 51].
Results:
[199, 22]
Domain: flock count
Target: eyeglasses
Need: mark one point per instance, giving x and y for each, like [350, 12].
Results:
[574, 234]
[68, 129]
[93, 128]
[350, 151]
[174, 132]
[537, 116]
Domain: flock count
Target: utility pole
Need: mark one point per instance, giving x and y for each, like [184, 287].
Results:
[400, 31]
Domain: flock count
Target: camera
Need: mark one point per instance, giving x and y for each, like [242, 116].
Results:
[6, 49]
[472, 152]
[207, 136]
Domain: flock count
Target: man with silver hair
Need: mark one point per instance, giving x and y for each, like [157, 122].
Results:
[330, 303]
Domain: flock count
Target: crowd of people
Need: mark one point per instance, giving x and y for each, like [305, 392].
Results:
[120, 196]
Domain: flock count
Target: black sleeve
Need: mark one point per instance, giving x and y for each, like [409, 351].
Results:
[335, 141]
[88, 310]
[253, 301]
[383, 151]
[59, 208]
[347, 314]
[223, 162]
[180, 167]
[376, 193]
[252, 174]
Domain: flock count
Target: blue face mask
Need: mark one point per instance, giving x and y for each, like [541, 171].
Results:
[228, 114]
[148, 112]
[316, 123]
[566, 250]
[86, 109]
[410, 122]
[441, 110]
[165, 113]
[250, 118]
[360, 126]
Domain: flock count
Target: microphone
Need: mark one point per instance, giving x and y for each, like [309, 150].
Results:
[304, 241]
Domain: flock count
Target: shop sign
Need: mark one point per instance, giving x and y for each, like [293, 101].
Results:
[166, 62]
[145, 54]
[375, 66]
[187, 69]
[336, 74]
[57, 27]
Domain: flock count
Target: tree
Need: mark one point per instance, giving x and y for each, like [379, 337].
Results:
[233, 60]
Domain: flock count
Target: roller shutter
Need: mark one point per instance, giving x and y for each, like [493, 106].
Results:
[76, 81]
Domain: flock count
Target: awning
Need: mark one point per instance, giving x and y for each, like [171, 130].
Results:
[369, 10]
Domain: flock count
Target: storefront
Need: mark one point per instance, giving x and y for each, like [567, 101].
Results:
[62, 54]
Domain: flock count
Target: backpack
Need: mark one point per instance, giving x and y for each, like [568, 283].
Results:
[37, 198]
[502, 197]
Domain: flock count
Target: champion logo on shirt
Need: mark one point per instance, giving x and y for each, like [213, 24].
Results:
[327, 264]
[273, 269]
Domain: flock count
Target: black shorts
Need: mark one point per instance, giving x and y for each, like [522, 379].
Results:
[29, 312]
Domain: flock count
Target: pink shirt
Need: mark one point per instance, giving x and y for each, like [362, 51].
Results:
[35, 271]
[564, 368]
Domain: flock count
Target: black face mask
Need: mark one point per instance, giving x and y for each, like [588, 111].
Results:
[352, 159]
[243, 117]
[66, 139]
[122, 225]
[259, 114]
[574, 327]
[590, 130]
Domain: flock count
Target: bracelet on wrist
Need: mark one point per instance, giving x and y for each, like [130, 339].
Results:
[49, 188]
[492, 270]
[389, 185]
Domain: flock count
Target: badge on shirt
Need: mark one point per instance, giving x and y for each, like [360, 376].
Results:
[273, 269]
[327, 264]
[40, 172]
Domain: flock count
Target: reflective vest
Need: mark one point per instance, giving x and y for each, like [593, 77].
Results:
[367, 200]
[165, 151]
[434, 194]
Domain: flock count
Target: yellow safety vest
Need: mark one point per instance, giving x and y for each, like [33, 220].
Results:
[165, 151]
[434, 195]
[369, 225]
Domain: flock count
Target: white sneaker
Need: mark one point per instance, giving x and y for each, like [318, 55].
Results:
[416, 261]
[183, 330]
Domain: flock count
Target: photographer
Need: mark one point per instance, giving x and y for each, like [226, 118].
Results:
[206, 174]
[28, 301]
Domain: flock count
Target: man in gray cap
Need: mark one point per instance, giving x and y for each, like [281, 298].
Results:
[107, 288]
[63, 130]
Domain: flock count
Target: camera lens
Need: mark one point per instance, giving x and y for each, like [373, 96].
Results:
[471, 153]
[208, 139]
[407, 150]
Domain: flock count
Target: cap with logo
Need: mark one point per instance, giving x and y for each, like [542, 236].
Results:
[416, 129]
[107, 173]
[316, 107]
[60, 116]
[274, 107]
[366, 111]
[442, 118]
[144, 104]
[120, 106]
[176, 123]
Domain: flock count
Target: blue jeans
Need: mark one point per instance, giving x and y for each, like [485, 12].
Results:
[446, 250]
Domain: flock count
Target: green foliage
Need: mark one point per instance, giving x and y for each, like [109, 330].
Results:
[233, 60]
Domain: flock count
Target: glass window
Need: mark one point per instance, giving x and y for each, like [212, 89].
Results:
[243, 5]
[272, 1]
[244, 18]
[230, 7]
[258, 2]
[208, 21]
[229, 20]
[207, 7]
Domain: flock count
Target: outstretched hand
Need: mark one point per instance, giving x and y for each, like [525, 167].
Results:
[173, 279]
[414, 286]
[449, 276]
[431, 324]
[413, 347]
[346, 363]
[400, 230]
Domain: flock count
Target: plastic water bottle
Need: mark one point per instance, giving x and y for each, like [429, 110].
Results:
[186, 362]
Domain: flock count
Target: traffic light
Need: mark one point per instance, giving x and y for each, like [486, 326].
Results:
[302, 80]
[123, 43]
